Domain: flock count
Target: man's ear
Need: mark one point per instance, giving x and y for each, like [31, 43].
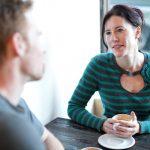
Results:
[18, 44]
[138, 32]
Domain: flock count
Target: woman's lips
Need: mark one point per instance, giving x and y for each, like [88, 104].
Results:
[117, 46]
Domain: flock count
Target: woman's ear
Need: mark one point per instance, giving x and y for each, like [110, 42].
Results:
[138, 32]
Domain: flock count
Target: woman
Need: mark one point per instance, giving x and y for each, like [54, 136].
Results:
[120, 76]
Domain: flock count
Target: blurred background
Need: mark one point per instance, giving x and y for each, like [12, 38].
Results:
[71, 36]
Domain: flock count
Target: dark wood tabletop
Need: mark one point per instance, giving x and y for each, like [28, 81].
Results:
[75, 137]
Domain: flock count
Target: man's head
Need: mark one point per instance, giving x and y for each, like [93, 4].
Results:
[19, 38]
[12, 18]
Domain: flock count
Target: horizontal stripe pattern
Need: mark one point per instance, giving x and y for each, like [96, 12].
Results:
[102, 74]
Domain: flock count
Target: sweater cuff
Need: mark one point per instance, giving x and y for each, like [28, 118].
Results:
[100, 124]
[144, 126]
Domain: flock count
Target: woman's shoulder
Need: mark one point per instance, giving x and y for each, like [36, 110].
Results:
[147, 54]
[145, 72]
[103, 57]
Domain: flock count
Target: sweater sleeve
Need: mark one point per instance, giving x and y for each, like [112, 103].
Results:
[145, 72]
[144, 126]
[88, 84]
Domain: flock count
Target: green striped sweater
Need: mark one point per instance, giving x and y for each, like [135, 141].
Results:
[103, 75]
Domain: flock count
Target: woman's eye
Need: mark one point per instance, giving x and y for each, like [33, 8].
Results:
[107, 32]
[120, 30]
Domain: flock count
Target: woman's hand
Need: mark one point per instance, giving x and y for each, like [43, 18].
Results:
[108, 126]
[121, 128]
[127, 129]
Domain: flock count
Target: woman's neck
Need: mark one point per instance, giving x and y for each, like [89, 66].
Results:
[131, 63]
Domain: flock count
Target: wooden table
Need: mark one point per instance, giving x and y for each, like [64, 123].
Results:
[74, 136]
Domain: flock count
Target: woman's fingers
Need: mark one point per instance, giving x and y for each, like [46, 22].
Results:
[108, 125]
[124, 131]
[127, 123]
[127, 130]
[133, 115]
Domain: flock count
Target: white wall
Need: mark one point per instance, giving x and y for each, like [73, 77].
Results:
[72, 32]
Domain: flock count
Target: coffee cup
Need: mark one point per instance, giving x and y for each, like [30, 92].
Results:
[124, 117]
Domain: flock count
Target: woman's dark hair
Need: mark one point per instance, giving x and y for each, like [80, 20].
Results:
[132, 15]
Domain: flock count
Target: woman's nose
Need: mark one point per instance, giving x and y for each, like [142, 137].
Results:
[114, 37]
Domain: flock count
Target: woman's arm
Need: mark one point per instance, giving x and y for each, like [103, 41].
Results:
[86, 87]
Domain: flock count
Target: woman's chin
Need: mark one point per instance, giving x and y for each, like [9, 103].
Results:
[118, 54]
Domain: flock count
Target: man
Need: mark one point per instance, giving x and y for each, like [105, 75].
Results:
[21, 60]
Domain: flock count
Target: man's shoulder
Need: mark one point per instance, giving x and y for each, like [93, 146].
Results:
[22, 103]
[5, 105]
[16, 131]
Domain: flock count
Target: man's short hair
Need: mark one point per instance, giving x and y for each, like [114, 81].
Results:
[12, 19]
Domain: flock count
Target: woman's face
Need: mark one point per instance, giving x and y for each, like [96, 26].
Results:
[121, 37]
